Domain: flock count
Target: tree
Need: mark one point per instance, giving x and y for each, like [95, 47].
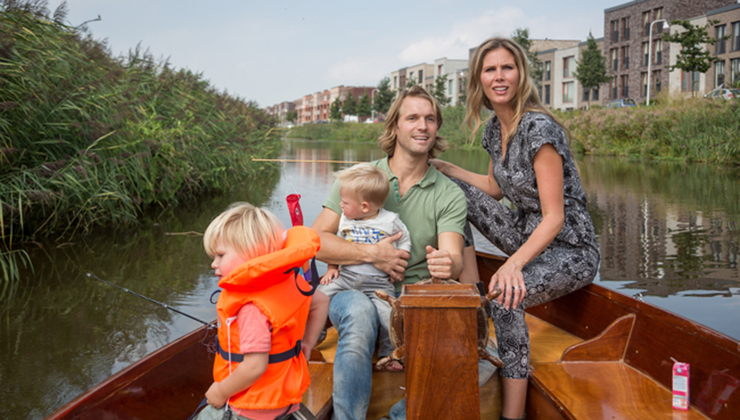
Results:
[440, 89]
[521, 37]
[292, 116]
[365, 107]
[349, 107]
[591, 70]
[411, 82]
[693, 57]
[384, 96]
[335, 110]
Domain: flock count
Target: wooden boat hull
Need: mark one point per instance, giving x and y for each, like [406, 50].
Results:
[595, 354]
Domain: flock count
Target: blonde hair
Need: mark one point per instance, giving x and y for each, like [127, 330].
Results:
[250, 230]
[387, 141]
[527, 99]
[368, 182]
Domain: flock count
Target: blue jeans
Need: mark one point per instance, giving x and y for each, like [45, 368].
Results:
[356, 320]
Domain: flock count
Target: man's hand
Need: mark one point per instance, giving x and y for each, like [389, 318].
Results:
[439, 263]
[389, 259]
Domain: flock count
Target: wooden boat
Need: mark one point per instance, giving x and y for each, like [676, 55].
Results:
[596, 354]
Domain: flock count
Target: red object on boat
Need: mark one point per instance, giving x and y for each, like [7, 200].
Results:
[294, 207]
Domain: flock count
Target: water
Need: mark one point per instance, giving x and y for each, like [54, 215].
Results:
[667, 232]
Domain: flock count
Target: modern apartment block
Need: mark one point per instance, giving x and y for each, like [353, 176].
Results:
[632, 43]
[425, 74]
[727, 69]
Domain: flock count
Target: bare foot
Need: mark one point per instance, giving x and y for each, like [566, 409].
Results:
[394, 366]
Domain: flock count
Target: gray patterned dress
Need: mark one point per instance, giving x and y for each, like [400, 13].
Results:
[572, 259]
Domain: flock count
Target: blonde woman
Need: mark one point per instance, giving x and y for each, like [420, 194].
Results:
[549, 238]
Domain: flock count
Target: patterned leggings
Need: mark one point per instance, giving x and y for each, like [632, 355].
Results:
[557, 271]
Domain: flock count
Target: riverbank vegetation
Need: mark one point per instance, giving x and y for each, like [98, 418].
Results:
[89, 140]
[679, 129]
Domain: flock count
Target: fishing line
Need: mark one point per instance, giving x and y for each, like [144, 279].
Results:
[164, 305]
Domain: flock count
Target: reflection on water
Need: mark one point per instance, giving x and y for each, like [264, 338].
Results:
[669, 232]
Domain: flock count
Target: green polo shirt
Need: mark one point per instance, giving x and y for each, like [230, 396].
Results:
[431, 206]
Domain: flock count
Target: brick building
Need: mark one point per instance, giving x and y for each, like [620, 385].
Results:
[628, 47]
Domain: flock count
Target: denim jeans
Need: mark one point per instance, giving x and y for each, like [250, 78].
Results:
[356, 320]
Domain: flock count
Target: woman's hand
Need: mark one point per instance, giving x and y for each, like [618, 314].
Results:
[442, 166]
[510, 281]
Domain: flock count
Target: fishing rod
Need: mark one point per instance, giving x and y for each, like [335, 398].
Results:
[164, 305]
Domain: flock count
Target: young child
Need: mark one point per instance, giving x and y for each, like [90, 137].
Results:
[260, 369]
[363, 189]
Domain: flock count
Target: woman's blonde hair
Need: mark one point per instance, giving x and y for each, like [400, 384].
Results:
[250, 230]
[369, 183]
[527, 99]
[387, 141]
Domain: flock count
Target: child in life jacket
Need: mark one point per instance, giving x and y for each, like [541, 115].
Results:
[265, 328]
[363, 189]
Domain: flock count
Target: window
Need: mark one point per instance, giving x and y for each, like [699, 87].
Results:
[625, 85]
[658, 14]
[689, 81]
[735, 70]
[449, 87]
[421, 77]
[646, 23]
[585, 94]
[645, 53]
[615, 31]
[659, 51]
[719, 47]
[615, 61]
[626, 57]
[613, 86]
[735, 36]
[548, 66]
[644, 84]
[657, 80]
[547, 94]
[568, 66]
[595, 95]
[625, 28]
[439, 70]
[569, 92]
[719, 73]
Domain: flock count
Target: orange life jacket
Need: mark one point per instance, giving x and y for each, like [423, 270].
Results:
[271, 282]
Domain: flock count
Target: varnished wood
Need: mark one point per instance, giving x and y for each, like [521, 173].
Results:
[441, 341]
[318, 397]
[609, 346]
[606, 390]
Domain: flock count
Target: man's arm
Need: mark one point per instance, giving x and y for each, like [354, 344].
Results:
[334, 250]
[447, 261]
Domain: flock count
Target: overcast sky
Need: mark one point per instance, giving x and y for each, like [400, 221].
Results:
[275, 50]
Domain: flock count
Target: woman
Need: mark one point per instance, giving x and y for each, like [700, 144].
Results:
[549, 238]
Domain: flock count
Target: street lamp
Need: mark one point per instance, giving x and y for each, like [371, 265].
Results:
[650, 53]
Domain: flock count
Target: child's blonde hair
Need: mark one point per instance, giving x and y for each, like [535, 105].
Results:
[368, 182]
[250, 230]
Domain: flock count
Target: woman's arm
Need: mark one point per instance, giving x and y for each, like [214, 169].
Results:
[548, 168]
[485, 183]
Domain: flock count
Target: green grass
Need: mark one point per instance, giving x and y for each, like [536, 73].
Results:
[88, 140]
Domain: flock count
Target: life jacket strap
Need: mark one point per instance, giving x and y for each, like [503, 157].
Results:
[274, 358]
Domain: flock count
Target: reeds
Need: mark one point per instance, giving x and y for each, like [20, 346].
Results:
[90, 140]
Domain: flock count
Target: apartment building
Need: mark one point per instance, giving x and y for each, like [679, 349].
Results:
[456, 72]
[727, 69]
[632, 43]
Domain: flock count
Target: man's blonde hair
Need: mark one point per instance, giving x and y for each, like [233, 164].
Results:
[387, 141]
[249, 230]
[368, 183]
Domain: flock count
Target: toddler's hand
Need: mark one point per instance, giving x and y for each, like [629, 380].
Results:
[329, 276]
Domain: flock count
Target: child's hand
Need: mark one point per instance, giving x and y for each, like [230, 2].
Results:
[329, 276]
[214, 396]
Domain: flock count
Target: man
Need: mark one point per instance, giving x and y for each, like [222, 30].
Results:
[434, 210]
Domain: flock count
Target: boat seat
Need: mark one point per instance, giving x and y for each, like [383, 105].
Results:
[592, 381]
[318, 397]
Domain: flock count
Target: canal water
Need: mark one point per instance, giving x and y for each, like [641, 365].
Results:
[669, 235]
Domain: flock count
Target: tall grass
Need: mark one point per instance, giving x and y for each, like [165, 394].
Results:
[681, 129]
[89, 140]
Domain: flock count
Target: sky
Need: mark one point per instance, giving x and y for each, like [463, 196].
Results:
[271, 51]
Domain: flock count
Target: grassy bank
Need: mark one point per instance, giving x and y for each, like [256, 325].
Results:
[689, 130]
[89, 140]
